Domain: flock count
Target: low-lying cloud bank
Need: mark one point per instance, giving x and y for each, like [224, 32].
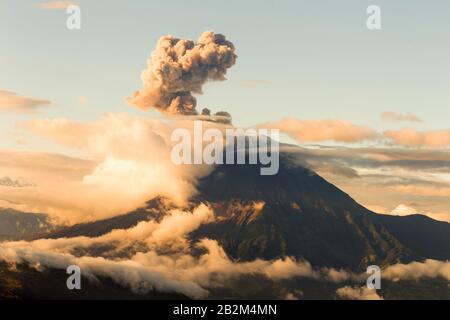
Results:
[412, 271]
[417, 270]
[358, 293]
[177, 272]
[165, 259]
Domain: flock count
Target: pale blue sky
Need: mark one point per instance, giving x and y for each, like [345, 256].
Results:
[320, 60]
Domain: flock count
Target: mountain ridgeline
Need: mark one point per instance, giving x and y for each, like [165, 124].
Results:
[15, 225]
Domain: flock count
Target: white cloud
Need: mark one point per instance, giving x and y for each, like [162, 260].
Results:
[403, 210]
[417, 270]
[358, 293]
[129, 158]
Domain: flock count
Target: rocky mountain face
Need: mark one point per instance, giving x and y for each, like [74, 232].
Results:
[298, 213]
[294, 213]
[16, 225]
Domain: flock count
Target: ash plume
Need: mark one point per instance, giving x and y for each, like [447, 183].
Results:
[179, 68]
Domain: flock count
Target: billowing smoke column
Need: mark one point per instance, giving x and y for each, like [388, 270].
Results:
[178, 68]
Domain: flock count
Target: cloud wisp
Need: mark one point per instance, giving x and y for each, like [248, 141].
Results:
[12, 102]
[344, 131]
[413, 138]
[57, 5]
[323, 130]
[394, 116]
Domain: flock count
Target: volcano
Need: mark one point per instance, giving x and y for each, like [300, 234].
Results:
[294, 213]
